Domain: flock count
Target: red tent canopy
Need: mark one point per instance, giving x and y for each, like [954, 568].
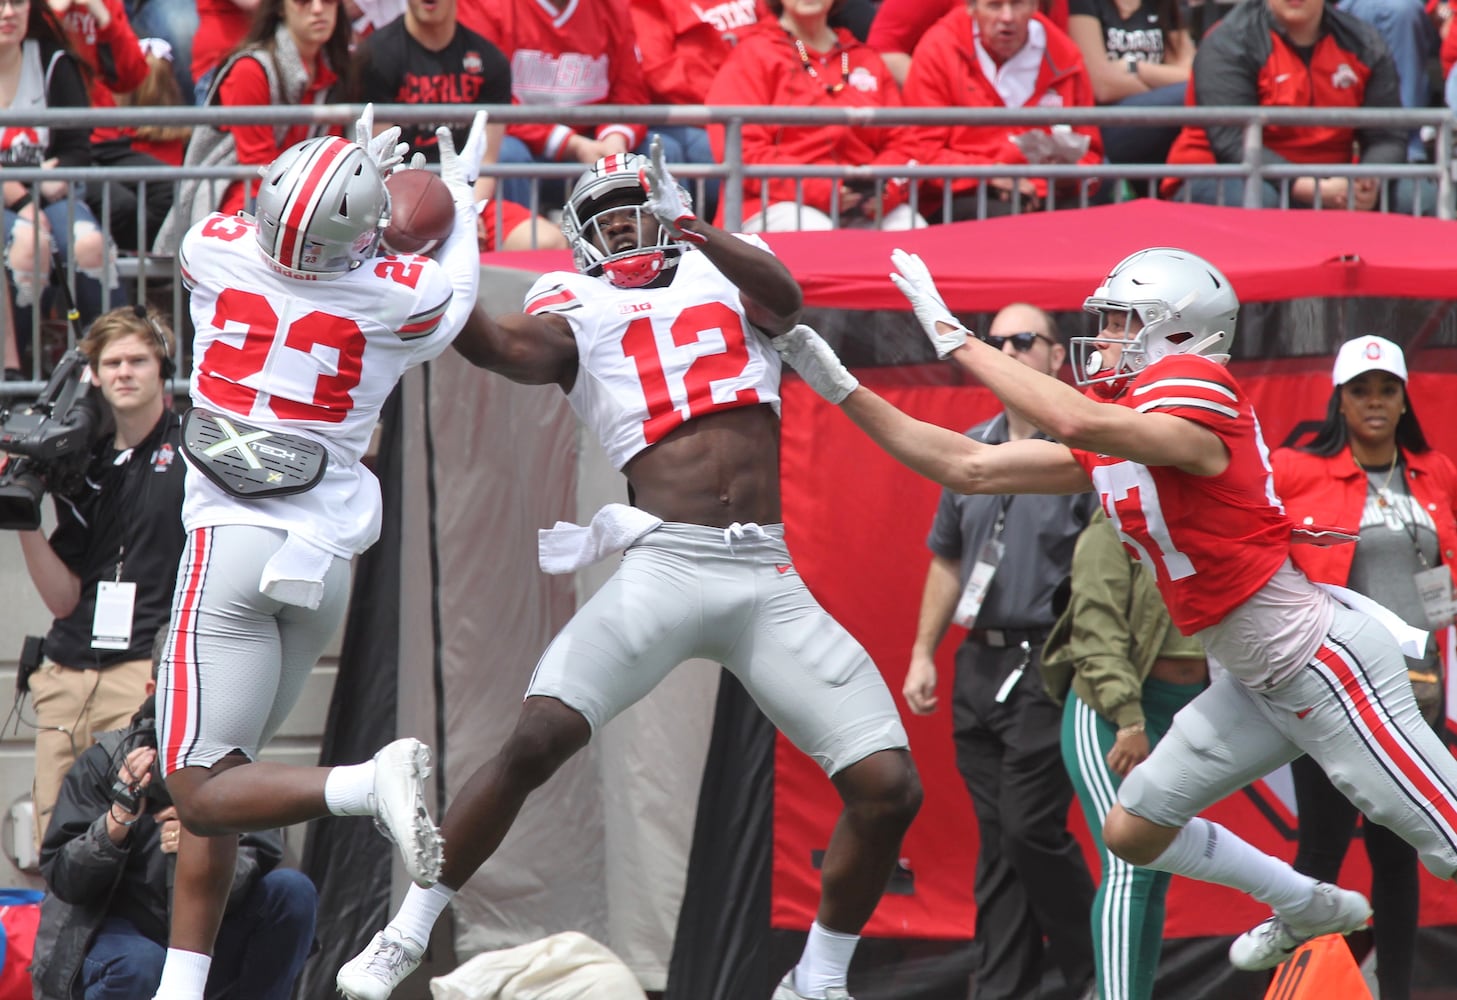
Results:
[1056, 258]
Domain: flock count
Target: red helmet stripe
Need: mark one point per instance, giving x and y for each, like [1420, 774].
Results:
[304, 198]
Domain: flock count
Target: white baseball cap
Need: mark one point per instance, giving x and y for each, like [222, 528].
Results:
[1368, 354]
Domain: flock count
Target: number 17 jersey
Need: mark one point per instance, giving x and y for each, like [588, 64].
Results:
[1211, 541]
[651, 359]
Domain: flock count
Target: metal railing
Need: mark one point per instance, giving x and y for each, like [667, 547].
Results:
[145, 270]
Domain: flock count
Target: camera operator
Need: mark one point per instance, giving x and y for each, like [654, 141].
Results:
[108, 571]
[108, 859]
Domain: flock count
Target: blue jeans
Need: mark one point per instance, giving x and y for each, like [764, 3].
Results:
[1143, 143]
[1408, 33]
[1407, 196]
[174, 20]
[260, 951]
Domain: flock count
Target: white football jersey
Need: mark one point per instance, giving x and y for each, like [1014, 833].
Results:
[653, 358]
[312, 358]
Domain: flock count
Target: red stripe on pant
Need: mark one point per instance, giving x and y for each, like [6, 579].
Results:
[1409, 767]
[184, 650]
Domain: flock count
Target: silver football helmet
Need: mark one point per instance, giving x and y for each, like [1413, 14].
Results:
[1184, 305]
[321, 209]
[592, 229]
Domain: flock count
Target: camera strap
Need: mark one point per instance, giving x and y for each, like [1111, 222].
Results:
[247, 461]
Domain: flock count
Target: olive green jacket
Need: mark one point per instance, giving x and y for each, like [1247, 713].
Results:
[1114, 627]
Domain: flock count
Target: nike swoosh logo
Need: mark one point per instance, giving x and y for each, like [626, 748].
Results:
[1282, 77]
[786, 568]
[1304, 712]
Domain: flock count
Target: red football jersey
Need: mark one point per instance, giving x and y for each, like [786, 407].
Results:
[1211, 541]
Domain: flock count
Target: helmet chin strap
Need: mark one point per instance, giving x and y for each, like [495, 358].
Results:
[1198, 348]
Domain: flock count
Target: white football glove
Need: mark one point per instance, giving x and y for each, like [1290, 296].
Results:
[452, 169]
[914, 281]
[817, 363]
[384, 149]
[474, 151]
[666, 200]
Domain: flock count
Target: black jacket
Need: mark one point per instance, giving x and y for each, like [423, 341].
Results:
[88, 877]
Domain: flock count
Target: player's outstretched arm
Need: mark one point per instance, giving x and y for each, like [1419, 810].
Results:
[941, 455]
[532, 350]
[1053, 406]
[772, 298]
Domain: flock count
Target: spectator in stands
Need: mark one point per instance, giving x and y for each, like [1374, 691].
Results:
[108, 858]
[165, 143]
[683, 46]
[220, 23]
[1021, 59]
[1369, 468]
[798, 59]
[1139, 55]
[900, 24]
[292, 54]
[1279, 53]
[101, 36]
[176, 23]
[564, 53]
[38, 70]
[427, 57]
[1122, 670]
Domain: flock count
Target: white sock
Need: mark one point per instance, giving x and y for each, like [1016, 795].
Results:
[184, 975]
[349, 788]
[420, 910]
[1210, 853]
[825, 962]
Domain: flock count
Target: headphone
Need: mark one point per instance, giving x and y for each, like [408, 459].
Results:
[169, 366]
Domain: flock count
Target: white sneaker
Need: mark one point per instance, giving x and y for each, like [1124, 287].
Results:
[1331, 910]
[398, 799]
[374, 973]
[786, 991]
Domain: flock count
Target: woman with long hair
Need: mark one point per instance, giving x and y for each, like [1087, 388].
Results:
[38, 70]
[1369, 464]
[294, 54]
[797, 59]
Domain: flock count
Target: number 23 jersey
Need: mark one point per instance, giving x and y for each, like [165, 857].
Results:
[651, 359]
[316, 358]
[1211, 541]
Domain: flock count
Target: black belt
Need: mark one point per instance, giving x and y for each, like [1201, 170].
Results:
[999, 638]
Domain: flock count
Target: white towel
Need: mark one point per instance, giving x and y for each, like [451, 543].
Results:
[295, 574]
[1412, 640]
[567, 547]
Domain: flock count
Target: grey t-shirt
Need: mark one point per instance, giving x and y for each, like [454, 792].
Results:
[1394, 527]
[1039, 534]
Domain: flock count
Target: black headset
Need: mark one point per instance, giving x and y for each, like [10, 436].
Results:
[169, 366]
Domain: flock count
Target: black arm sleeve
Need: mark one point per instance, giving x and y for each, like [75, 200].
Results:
[70, 146]
[1380, 143]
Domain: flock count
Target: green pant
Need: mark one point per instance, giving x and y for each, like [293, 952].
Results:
[1128, 909]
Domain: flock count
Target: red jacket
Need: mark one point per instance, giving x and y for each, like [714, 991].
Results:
[1246, 61]
[765, 68]
[1332, 491]
[684, 43]
[899, 24]
[945, 72]
[118, 64]
[581, 55]
[247, 84]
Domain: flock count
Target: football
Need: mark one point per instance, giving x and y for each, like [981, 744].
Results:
[422, 212]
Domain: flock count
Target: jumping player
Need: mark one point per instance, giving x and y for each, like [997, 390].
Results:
[683, 391]
[1175, 453]
[302, 333]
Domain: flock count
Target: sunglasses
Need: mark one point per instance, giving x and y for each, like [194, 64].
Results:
[1021, 342]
